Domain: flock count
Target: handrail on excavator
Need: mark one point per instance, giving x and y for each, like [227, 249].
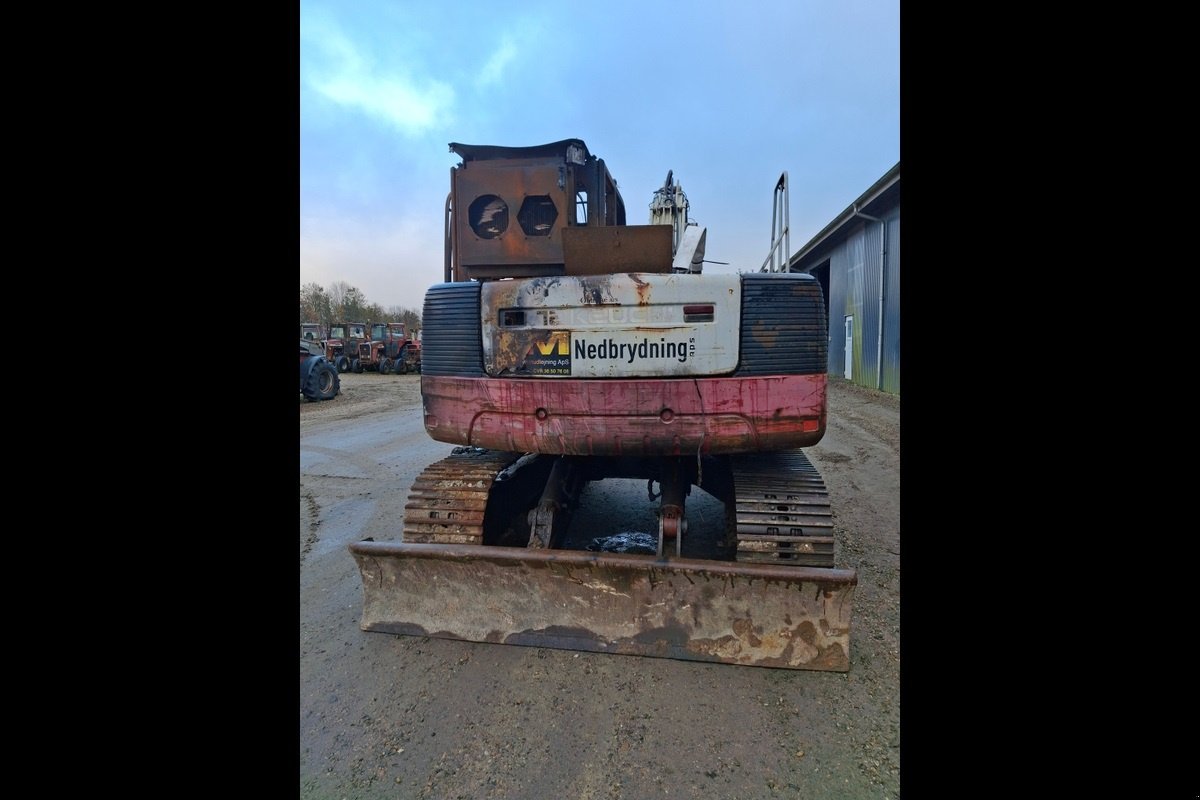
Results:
[778, 260]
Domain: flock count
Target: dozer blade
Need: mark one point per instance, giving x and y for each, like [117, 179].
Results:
[696, 610]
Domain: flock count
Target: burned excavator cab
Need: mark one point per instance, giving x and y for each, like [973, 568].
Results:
[552, 209]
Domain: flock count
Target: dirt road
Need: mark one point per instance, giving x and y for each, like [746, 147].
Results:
[385, 716]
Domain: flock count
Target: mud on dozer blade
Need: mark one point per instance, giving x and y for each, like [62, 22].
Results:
[566, 346]
[690, 609]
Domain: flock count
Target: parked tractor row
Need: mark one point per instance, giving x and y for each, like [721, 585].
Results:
[383, 347]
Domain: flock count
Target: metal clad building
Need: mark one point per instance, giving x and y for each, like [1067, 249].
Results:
[856, 257]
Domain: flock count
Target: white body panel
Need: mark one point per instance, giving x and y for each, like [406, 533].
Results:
[625, 325]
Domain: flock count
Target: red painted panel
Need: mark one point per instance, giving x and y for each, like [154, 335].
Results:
[627, 417]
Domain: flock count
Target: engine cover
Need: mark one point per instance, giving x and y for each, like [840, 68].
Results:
[624, 325]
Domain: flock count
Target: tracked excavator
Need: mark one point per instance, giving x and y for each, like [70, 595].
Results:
[566, 346]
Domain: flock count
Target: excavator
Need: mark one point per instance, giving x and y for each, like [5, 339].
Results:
[565, 346]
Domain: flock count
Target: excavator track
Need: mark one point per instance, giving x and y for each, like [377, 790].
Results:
[782, 510]
[448, 500]
[444, 581]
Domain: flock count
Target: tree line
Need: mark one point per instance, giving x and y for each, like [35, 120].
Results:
[342, 302]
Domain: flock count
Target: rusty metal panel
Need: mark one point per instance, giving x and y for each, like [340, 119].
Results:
[689, 609]
[509, 249]
[618, 248]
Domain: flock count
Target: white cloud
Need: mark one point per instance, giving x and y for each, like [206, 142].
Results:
[399, 102]
[338, 70]
[493, 70]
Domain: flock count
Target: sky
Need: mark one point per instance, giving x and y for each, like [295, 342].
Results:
[726, 95]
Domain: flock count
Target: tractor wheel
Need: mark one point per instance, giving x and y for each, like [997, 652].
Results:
[385, 366]
[322, 382]
[343, 364]
[401, 367]
[356, 365]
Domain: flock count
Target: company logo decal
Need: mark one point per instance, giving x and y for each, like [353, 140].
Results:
[552, 352]
[551, 355]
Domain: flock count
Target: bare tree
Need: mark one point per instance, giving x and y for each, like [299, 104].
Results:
[342, 302]
[315, 304]
[337, 297]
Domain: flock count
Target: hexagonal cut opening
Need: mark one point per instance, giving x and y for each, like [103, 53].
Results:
[488, 216]
[537, 215]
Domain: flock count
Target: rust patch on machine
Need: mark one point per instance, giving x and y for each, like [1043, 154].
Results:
[617, 248]
[643, 290]
[765, 335]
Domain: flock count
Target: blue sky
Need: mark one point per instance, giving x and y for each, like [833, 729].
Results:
[727, 95]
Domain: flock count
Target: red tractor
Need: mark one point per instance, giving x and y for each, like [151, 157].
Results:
[313, 332]
[348, 347]
[393, 350]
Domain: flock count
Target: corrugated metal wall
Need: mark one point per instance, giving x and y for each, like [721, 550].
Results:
[891, 318]
[857, 280]
[846, 288]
